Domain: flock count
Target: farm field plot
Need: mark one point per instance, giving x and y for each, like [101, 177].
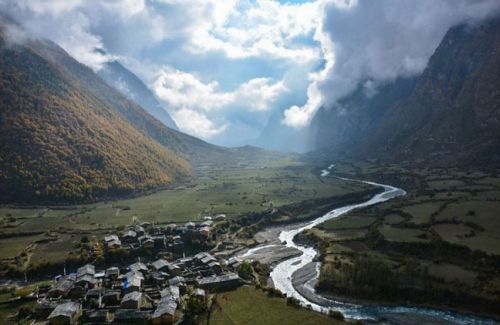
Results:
[422, 213]
[11, 247]
[407, 235]
[353, 221]
[249, 305]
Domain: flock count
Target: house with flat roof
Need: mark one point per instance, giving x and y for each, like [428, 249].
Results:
[111, 298]
[138, 267]
[219, 283]
[62, 287]
[161, 265]
[87, 269]
[132, 316]
[165, 311]
[132, 300]
[129, 237]
[65, 313]
[132, 282]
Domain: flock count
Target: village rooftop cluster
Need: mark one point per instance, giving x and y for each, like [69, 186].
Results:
[155, 292]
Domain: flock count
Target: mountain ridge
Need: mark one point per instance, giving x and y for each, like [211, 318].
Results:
[450, 115]
[132, 87]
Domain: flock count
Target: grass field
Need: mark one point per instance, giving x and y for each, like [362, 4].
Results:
[249, 305]
[407, 235]
[250, 186]
[422, 213]
[351, 222]
[11, 247]
[452, 273]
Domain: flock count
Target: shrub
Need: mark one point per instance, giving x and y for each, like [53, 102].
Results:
[245, 270]
[335, 314]
[294, 302]
[272, 292]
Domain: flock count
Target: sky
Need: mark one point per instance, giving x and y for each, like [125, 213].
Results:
[222, 68]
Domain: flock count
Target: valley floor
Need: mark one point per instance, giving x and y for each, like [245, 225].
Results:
[30, 236]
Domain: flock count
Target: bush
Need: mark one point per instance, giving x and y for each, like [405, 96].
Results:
[195, 306]
[24, 312]
[294, 302]
[245, 271]
[335, 314]
[272, 292]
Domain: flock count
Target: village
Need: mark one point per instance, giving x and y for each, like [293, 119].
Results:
[167, 288]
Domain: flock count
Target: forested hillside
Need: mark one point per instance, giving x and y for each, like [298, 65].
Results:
[115, 74]
[63, 142]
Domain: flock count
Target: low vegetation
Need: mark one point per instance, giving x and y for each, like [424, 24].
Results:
[249, 305]
[438, 245]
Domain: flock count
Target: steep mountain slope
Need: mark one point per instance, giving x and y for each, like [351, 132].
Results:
[115, 74]
[356, 116]
[185, 146]
[60, 142]
[451, 114]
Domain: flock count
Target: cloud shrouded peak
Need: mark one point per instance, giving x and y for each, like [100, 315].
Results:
[379, 41]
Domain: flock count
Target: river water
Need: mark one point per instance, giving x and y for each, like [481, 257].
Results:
[282, 276]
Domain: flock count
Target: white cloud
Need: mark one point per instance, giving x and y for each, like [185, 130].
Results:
[379, 41]
[82, 45]
[187, 96]
[181, 89]
[54, 7]
[256, 29]
[196, 123]
[258, 93]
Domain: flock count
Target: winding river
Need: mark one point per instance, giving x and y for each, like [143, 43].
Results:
[282, 276]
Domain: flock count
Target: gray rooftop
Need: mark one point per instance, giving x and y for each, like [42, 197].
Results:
[86, 269]
[138, 267]
[219, 279]
[159, 264]
[130, 314]
[167, 306]
[65, 309]
[134, 296]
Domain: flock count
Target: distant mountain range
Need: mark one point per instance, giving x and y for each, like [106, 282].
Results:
[450, 114]
[125, 81]
[67, 136]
